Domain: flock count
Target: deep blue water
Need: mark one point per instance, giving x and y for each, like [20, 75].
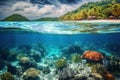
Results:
[41, 32]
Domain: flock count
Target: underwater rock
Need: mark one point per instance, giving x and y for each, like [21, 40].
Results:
[6, 76]
[113, 48]
[36, 55]
[11, 69]
[25, 63]
[4, 53]
[46, 70]
[76, 58]
[12, 57]
[25, 48]
[114, 64]
[61, 63]
[13, 53]
[39, 47]
[72, 49]
[2, 64]
[92, 56]
[31, 74]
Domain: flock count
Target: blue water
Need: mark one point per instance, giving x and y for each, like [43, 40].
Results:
[57, 35]
[43, 43]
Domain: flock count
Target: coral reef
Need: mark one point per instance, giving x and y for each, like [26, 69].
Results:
[93, 56]
[75, 48]
[31, 74]
[99, 68]
[109, 76]
[46, 70]
[24, 59]
[61, 63]
[75, 58]
[6, 76]
[12, 69]
[2, 64]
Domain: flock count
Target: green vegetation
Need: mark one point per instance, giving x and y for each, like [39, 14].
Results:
[105, 9]
[15, 17]
[47, 19]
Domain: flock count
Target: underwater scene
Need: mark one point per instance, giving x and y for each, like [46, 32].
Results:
[59, 39]
[60, 50]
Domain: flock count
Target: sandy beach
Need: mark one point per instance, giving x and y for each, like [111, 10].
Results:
[91, 21]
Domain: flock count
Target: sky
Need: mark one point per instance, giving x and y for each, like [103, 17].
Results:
[34, 9]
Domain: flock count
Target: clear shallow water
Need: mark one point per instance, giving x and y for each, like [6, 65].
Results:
[46, 42]
[56, 35]
[65, 27]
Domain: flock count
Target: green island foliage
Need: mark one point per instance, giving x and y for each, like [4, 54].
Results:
[104, 9]
[15, 17]
[47, 19]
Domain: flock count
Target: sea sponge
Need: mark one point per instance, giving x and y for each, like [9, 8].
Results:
[109, 76]
[31, 72]
[61, 63]
[75, 58]
[6, 76]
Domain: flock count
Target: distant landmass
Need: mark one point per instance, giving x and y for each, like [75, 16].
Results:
[104, 9]
[16, 17]
[47, 19]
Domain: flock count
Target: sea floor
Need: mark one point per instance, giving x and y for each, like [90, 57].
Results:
[26, 63]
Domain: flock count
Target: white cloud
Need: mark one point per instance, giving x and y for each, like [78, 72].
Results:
[33, 11]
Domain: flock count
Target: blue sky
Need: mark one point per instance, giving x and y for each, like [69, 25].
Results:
[34, 9]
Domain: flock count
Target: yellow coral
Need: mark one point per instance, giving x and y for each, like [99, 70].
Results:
[75, 58]
[31, 72]
[61, 63]
[24, 59]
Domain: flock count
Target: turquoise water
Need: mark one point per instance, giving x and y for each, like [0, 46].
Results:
[60, 34]
[53, 38]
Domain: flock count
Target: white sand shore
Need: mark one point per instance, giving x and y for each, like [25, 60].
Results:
[91, 21]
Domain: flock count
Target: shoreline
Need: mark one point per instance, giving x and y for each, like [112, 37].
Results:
[88, 21]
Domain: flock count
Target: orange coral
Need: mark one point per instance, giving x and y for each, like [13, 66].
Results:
[92, 55]
[109, 76]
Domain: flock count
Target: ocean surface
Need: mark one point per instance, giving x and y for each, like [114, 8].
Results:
[54, 37]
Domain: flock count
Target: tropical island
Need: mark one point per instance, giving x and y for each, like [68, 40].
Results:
[105, 9]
